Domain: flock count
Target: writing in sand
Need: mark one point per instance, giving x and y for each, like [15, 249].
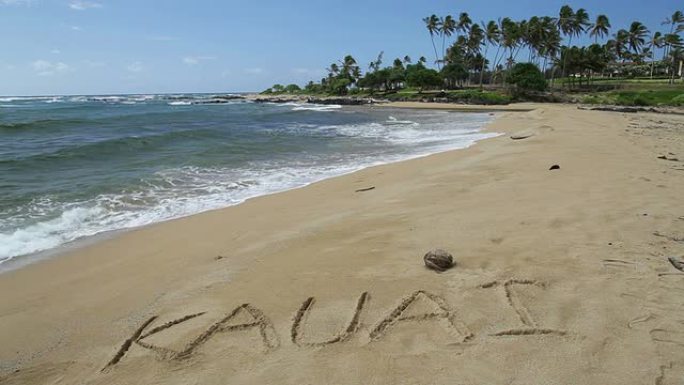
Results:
[248, 317]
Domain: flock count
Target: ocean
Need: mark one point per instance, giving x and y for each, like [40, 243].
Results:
[76, 166]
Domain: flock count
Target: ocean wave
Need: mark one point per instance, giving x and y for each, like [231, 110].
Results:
[41, 124]
[24, 98]
[174, 193]
[101, 150]
[317, 107]
[394, 121]
[171, 194]
[128, 162]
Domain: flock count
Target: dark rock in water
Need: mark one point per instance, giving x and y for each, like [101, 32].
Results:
[276, 99]
[438, 259]
[342, 101]
[555, 167]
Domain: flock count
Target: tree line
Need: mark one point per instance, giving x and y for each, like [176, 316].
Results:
[485, 53]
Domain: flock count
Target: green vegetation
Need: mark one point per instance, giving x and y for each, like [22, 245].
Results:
[621, 68]
[651, 98]
[527, 77]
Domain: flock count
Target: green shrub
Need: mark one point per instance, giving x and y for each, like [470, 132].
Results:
[527, 77]
[478, 97]
[424, 78]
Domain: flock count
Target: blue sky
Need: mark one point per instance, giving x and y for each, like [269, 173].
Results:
[151, 46]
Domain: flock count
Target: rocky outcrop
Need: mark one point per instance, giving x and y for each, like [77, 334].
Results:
[327, 100]
[342, 101]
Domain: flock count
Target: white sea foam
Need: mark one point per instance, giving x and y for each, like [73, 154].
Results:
[317, 107]
[179, 192]
[180, 103]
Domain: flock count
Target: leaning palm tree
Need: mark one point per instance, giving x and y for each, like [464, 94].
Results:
[581, 22]
[432, 25]
[551, 48]
[637, 36]
[464, 23]
[447, 28]
[675, 44]
[492, 35]
[600, 28]
[578, 23]
[476, 36]
[676, 56]
[656, 41]
[566, 26]
[510, 38]
[676, 21]
[621, 44]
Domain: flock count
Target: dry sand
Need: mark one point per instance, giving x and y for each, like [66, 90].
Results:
[562, 276]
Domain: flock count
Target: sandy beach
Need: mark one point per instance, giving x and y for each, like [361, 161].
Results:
[562, 276]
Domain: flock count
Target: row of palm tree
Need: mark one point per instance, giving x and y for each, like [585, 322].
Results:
[469, 52]
[545, 38]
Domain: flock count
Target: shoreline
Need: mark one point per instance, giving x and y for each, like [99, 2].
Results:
[23, 261]
[558, 268]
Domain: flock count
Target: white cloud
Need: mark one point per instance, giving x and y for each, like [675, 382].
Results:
[76, 28]
[48, 68]
[135, 67]
[192, 60]
[56, 51]
[254, 71]
[82, 5]
[226, 73]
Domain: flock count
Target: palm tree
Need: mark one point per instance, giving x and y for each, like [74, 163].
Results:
[492, 35]
[375, 65]
[549, 42]
[476, 36]
[600, 28]
[432, 25]
[637, 36]
[566, 26]
[674, 21]
[675, 44]
[510, 38]
[464, 22]
[676, 56]
[656, 41]
[447, 28]
[621, 42]
[581, 21]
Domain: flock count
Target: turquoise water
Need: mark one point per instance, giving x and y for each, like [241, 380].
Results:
[76, 166]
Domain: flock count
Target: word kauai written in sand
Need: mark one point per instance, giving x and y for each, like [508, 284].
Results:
[256, 320]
